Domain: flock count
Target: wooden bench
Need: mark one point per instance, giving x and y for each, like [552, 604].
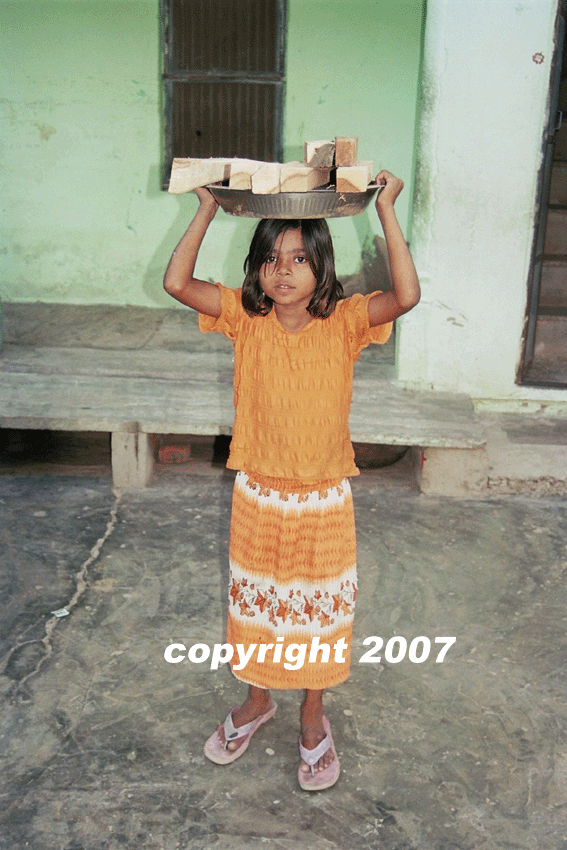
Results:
[170, 379]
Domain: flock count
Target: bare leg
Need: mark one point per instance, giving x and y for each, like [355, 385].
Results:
[312, 730]
[255, 704]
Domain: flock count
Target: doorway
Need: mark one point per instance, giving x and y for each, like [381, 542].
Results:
[545, 348]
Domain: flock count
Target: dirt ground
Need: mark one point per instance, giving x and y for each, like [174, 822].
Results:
[102, 738]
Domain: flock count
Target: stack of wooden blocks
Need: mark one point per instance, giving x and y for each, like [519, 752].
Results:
[327, 163]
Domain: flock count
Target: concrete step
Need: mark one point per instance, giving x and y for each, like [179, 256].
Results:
[556, 232]
[526, 453]
[553, 292]
[551, 338]
[558, 190]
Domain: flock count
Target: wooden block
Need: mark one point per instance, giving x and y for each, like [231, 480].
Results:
[266, 181]
[370, 166]
[346, 150]
[241, 171]
[298, 177]
[320, 154]
[352, 178]
[187, 174]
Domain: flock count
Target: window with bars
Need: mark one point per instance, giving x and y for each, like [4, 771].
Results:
[223, 78]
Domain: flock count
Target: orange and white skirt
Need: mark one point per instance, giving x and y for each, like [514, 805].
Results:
[292, 582]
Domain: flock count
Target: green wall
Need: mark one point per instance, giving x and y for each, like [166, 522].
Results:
[353, 71]
[84, 219]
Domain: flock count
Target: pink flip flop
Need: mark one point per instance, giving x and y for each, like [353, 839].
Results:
[317, 780]
[217, 750]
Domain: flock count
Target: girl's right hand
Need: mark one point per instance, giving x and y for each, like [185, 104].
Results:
[206, 199]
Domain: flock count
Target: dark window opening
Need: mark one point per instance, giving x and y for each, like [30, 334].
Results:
[544, 358]
[223, 78]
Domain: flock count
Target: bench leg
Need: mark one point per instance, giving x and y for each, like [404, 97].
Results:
[462, 473]
[132, 459]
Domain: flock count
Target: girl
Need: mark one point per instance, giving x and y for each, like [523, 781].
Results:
[292, 541]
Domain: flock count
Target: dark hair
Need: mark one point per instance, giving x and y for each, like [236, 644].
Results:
[318, 247]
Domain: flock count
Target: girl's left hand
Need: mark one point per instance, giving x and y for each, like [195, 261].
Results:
[392, 188]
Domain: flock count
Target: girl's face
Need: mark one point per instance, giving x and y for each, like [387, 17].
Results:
[286, 277]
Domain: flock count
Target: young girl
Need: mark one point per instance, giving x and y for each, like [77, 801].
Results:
[292, 540]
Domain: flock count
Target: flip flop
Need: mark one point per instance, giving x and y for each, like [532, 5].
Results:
[317, 780]
[217, 750]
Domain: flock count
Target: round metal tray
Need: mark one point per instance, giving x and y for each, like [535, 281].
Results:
[319, 203]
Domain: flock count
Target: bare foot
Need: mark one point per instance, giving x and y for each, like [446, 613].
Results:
[256, 703]
[312, 733]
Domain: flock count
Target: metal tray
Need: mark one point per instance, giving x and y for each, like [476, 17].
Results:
[319, 203]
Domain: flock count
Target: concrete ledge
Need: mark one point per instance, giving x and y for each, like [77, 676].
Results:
[132, 460]
[451, 472]
[527, 453]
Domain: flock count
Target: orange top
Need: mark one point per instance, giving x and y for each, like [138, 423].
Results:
[292, 391]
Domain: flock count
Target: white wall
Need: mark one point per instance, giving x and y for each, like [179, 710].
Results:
[484, 106]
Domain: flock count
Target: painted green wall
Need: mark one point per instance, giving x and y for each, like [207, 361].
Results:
[83, 217]
[353, 71]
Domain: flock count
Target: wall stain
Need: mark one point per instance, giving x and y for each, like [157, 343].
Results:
[45, 131]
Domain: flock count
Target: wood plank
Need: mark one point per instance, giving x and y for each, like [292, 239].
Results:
[188, 174]
[164, 376]
[381, 412]
[298, 177]
[66, 403]
[241, 171]
[151, 364]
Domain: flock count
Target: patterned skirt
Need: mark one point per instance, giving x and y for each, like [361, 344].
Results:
[292, 582]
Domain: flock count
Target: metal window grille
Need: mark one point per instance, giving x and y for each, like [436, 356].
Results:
[223, 78]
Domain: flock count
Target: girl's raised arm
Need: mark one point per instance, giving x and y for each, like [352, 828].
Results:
[389, 305]
[178, 280]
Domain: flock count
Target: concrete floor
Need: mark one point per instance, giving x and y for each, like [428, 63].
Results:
[102, 739]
